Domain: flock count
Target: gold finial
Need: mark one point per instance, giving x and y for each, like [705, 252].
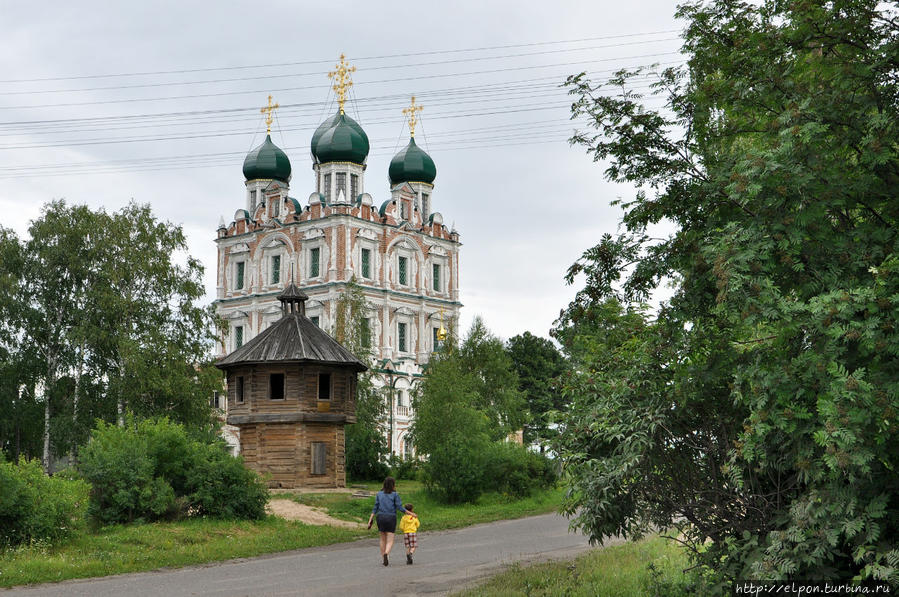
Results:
[441, 332]
[342, 82]
[410, 112]
[268, 111]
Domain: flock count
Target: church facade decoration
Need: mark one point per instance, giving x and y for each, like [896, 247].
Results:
[399, 252]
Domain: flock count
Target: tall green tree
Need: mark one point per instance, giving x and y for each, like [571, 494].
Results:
[538, 364]
[366, 446]
[482, 355]
[59, 272]
[757, 413]
[21, 424]
[156, 336]
[100, 315]
[450, 429]
[468, 401]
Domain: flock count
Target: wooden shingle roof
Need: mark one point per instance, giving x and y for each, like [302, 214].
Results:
[292, 339]
[293, 293]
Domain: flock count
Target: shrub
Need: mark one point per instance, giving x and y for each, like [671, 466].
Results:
[123, 477]
[153, 470]
[35, 507]
[404, 468]
[455, 469]
[513, 469]
[220, 486]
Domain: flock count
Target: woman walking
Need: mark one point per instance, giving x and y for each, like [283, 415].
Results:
[387, 503]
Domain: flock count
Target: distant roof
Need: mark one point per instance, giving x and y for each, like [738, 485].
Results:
[292, 339]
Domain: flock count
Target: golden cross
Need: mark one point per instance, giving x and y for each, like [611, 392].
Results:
[342, 82]
[268, 110]
[410, 112]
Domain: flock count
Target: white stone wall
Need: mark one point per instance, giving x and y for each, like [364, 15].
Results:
[340, 233]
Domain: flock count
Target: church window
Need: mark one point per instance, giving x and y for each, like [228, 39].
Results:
[314, 319]
[276, 386]
[365, 332]
[276, 269]
[425, 205]
[324, 386]
[404, 210]
[341, 184]
[252, 202]
[238, 283]
[238, 336]
[319, 458]
[400, 398]
[401, 337]
[437, 277]
[435, 332]
[366, 263]
[354, 186]
[239, 389]
[326, 191]
[314, 258]
[403, 273]
[276, 207]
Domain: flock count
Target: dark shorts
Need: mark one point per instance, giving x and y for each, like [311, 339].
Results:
[387, 523]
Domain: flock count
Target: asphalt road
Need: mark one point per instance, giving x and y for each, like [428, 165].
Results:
[444, 561]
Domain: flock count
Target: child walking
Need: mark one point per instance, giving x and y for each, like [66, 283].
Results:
[408, 525]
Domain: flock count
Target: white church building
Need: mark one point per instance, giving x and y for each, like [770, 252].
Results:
[397, 248]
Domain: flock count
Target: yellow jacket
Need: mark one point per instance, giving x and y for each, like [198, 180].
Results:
[409, 524]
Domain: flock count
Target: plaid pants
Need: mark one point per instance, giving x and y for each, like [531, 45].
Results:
[410, 540]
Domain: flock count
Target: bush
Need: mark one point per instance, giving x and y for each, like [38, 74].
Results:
[460, 470]
[404, 468]
[153, 470]
[220, 486]
[123, 477]
[513, 469]
[455, 469]
[35, 507]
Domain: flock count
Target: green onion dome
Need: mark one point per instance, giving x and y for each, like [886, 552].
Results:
[267, 162]
[412, 164]
[339, 139]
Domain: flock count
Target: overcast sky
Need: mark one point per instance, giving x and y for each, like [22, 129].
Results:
[173, 125]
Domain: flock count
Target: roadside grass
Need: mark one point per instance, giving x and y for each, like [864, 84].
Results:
[653, 566]
[134, 548]
[434, 515]
[141, 547]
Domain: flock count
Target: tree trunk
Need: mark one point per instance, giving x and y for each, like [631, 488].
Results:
[120, 401]
[48, 386]
[18, 421]
[45, 458]
[75, 398]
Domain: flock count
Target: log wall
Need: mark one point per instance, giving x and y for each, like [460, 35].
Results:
[283, 450]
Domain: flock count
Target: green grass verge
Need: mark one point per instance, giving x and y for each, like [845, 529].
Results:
[434, 515]
[134, 548]
[614, 571]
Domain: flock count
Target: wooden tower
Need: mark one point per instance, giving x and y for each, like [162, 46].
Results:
[291, 391]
